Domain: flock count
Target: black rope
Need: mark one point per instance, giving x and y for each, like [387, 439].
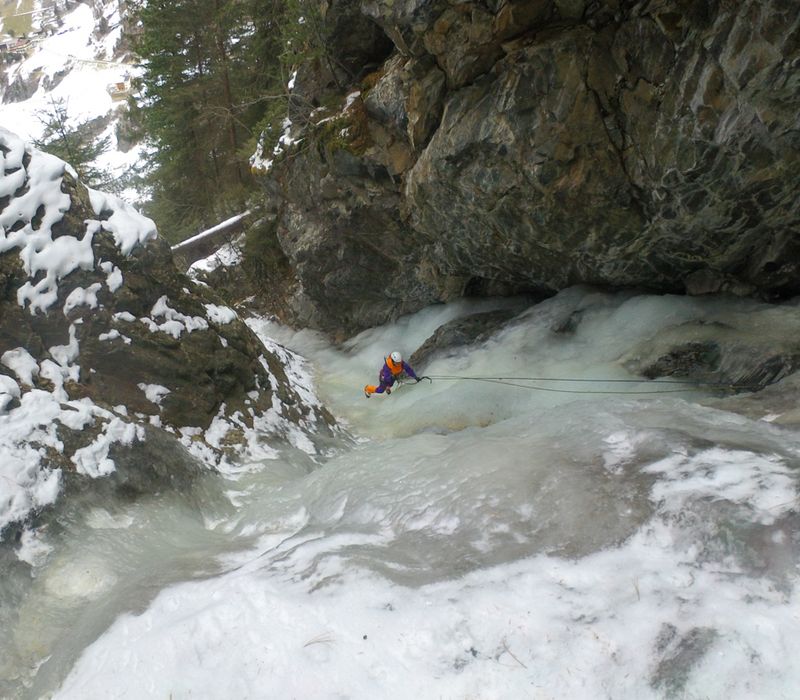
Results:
[409, 381]
[512, 381]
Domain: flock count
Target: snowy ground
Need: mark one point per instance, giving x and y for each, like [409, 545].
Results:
[76, 67]
[478, 541]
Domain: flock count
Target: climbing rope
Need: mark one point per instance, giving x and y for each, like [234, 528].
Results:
[685, 385]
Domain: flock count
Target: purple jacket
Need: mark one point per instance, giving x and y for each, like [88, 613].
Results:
[387, 378]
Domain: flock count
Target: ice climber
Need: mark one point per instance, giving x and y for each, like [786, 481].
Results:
[393, 369]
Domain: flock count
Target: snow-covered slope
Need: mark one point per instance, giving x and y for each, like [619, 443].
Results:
[78, 61]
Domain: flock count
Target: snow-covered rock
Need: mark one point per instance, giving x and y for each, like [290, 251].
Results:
[100, 336]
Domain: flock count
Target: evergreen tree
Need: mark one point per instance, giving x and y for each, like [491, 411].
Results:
[77, 145]
[205, 64]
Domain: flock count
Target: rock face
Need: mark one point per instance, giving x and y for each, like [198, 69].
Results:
[528, 146]
[101, 336]
[458, 334]
[719, 351]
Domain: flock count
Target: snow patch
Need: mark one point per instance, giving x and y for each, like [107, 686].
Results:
[764, 484]
[262, 163]
[154, 393]
[175, 323]
[128, 226]
[227, 255]
[113, 276]
[65, 355]
[114, 334]
[93, 460]
[21, 363]
[220, 315]
[82, 297]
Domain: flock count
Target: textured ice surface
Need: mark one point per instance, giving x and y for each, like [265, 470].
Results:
[478, 540]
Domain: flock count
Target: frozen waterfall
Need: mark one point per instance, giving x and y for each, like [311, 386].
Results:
[472, 539]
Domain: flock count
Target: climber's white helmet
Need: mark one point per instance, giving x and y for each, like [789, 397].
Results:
[397, 358]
